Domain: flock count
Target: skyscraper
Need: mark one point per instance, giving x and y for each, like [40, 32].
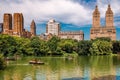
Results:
[33, 28]
[18, 24]
[7, 23]
[53, 27]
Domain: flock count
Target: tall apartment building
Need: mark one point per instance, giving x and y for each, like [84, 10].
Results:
[103, 31]
[53, 28]
[33, 28]
[18, 24]
[17, 29]
[7, 23]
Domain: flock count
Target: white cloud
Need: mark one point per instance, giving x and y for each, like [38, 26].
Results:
[67, 11]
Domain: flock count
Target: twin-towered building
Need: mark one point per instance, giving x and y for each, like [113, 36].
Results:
[15, 26]
[103, 31]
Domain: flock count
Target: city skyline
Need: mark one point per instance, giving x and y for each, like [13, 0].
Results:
[73, 15]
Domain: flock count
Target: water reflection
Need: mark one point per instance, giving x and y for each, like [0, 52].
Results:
[57, 68]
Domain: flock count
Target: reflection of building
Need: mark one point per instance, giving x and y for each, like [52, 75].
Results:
[53, 28]
[108, 30]
[18, 26]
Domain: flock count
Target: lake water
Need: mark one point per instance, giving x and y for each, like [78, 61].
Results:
[60, 68]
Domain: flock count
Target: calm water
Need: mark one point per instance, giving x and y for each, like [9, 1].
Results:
[59, 68]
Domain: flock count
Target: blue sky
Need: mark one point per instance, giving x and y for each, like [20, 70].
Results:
[73, 15]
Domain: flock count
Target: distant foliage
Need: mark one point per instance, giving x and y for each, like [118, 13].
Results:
[10, 46]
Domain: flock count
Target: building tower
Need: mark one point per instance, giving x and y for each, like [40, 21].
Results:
[7, 23]
[96, 18]
[33, 28]
[109, 17]
[18, 24]
[52, 27]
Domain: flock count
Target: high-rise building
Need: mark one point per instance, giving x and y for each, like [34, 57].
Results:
[53, 27]
[18, 24]
[108, 30]
[7, 23]
[33, 28]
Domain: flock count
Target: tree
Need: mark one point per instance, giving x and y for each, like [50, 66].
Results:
[116, 47]
[83, 47]
[7, 45]
[2, 65]
[53, 44]
[100, 47]
[35, 45]
[68, 45]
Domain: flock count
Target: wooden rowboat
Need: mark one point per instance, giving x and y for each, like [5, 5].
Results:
[36, 62]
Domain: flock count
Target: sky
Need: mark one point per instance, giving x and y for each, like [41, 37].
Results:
[73, 15]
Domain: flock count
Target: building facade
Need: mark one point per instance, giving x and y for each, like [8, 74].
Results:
[108, 30]
[33, 28]
[77, 35]
[15, 27]
[53, 28]
[7, 23]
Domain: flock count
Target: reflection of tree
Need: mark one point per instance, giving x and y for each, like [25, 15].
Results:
[101, 65]
[58, 68]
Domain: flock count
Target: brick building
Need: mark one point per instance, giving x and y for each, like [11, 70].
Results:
[15, 27]
[103, 31]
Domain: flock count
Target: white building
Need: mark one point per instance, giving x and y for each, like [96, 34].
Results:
[53, 27]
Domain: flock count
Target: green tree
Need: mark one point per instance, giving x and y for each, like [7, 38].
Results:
[7, 45]
[35, 45]
[53, 44]
[83, 47]
[2, 64]
[68, 45]
[101, 47]
[116, 47]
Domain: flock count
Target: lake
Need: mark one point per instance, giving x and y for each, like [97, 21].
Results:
[60, 68]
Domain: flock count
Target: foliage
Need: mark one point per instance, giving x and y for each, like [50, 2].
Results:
[68, 45]
[52, 44]
[11, 45]
[2, 65]
[116, 47]
[100, 47]
[83, 47]
[103, 39]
